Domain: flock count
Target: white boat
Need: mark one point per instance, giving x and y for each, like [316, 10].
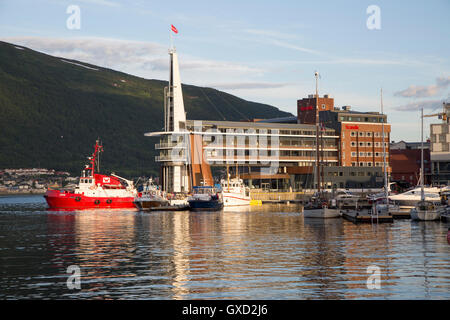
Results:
[412, 197]
[235, 193]
[427, 211]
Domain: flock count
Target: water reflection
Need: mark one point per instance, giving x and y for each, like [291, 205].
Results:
[261, 252]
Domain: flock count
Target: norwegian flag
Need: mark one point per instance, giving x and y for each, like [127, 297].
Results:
[173, 28]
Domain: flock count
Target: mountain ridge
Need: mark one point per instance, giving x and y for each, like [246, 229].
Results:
[53, 109]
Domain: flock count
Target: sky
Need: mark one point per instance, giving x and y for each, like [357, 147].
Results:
[263, 51]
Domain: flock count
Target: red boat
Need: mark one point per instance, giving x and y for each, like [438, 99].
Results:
[94, 190]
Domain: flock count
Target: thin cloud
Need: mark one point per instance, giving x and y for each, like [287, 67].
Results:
[425, 104]
[425, 91]
[248, 85]
[102, 3]
[143, 59]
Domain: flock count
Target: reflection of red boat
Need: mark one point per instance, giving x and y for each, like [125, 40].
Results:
[94, 190]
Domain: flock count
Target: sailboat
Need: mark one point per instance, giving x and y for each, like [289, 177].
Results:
[425, 210]
[382, 206]
[319, 207]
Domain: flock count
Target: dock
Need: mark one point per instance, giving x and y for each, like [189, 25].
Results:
[365, 217]
[401, 214]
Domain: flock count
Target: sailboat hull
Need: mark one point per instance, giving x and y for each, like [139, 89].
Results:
[425, 215]
[322, 213]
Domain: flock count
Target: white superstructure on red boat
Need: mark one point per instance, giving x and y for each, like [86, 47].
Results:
[94, 190]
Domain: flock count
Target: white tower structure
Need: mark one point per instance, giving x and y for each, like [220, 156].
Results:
[175, 114]
[174, 140]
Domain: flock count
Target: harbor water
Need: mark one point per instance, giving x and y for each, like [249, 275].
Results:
[259, 252]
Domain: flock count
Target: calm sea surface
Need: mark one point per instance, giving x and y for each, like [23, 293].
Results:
[265, 252]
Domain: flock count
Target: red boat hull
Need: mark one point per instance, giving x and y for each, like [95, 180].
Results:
[57, 199]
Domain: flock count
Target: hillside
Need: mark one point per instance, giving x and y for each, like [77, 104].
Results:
[53, 109]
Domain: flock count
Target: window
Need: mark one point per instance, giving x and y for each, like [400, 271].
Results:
[361, 164]
[369, 154]
[361, 134]
[353, 154]
[377, 154]
[353, 134]
[362, 154]
[361, 144]
[369, 144]
[323, 106]
[369, 134]
[377, 144]
[353, 144]
[369, 164]
[361, 174]
[353, 164]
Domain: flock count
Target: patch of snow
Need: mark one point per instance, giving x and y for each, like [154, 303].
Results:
[78, 64]
[20, 48]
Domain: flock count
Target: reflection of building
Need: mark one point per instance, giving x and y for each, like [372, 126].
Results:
[440, 148]
[272, 153]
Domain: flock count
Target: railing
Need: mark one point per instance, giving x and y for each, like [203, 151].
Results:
[170, 158]
[170, 145]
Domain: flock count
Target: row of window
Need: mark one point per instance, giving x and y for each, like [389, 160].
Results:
[368, 154]
[367, 134]
[367, 164]
[367, 144]
[362, 119]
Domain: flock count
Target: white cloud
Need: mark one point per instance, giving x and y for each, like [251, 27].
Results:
[145, 59]
[102, 3]
[425, 104]
[425, 91]
[247, 85]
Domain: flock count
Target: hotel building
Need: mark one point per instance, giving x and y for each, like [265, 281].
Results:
[272, 153]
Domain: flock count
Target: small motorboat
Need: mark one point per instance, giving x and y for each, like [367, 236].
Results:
[205, 198]
[151, 197]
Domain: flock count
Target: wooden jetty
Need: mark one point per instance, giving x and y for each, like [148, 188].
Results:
[402, 214]
[364, 216]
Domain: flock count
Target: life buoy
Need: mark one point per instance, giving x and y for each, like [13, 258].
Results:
[77, 199]
[108, 201]
[97, 202]
[153, 193]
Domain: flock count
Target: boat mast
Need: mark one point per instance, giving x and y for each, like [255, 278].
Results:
[228, 179]
[422, 194]
[316, 74]
[386, 194]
